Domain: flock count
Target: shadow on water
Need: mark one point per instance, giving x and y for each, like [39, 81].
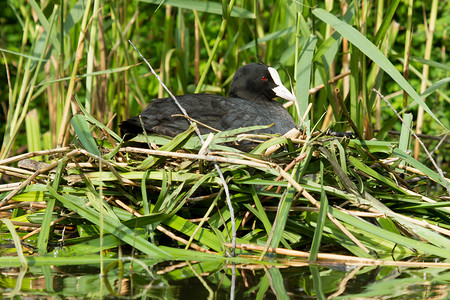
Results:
[142, 279]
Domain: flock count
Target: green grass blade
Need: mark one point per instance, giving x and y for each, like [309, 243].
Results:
[16, 240]
[373, 146]
[421, 167]
[45, 23]
[387, 18]
[45, 227]
[282, 217]
[44, 234]
[23, 55]
[91, 246]
[269, 37]
[145, 202]
[261, 214]
[33, 130]
[317, 280]
[110, 224]
[391, 236]
[320, 221]
[278, 283]
[405, 134]
[369, 171]
[264, 286]
[303, 76]
[431, 63]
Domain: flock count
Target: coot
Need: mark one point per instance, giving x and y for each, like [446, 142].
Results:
[250, 103]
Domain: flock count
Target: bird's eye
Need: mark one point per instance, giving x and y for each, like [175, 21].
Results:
[264, 78]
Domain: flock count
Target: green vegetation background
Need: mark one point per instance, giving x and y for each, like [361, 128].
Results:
[33, 103]
[56, 54]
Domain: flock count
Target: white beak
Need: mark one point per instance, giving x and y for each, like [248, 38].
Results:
[280, 90]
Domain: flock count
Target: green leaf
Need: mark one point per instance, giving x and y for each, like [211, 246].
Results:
[81, 127]
[431, 63]
[284, 206]
[94, 121]
[33, 129]
[269, 37]
[317, 280]
[405, 135]
[205, 6]
[203, 235]
[97, 73]
[435, 87]
[371, 51]
[373, 146]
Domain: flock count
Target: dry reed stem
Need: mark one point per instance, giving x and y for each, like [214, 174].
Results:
[16, 170]
[9, 186]
[196, 157]
[35, 174]
[30, 204]
[358, 213]
[25, 183]
[173, 267]
[296, 160]
[27, 224]
[293, 133]
[410, 169]
[13, 174]
[33, 154]
[341, 259]
[204, 148]
[91, 165]
[343, 283]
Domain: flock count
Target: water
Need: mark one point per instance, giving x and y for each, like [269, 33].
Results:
[213, 280]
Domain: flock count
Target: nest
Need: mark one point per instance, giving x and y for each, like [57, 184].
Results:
[170, 193]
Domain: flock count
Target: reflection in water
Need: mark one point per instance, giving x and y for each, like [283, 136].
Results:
[215, 280]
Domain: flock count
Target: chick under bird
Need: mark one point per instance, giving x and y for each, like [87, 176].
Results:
[253, 88]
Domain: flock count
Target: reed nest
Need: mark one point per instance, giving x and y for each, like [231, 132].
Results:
[155, 194]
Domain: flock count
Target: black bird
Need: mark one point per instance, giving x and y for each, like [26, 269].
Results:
[250, 103]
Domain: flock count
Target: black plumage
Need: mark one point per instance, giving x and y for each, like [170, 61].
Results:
[250, 103]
